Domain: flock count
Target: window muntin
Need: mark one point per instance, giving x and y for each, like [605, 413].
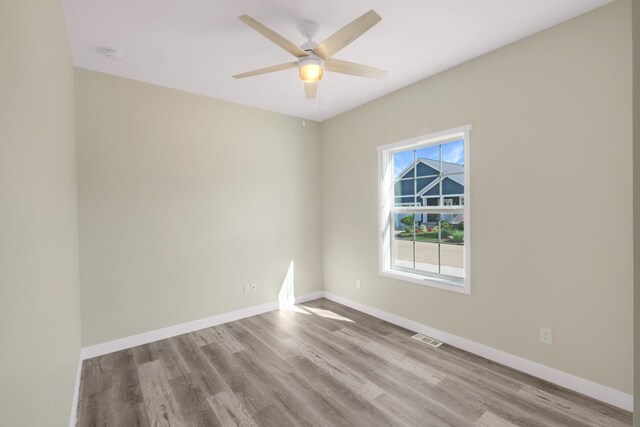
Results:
[423, 191]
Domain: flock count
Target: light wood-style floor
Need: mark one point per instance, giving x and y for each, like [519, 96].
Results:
[319, 363]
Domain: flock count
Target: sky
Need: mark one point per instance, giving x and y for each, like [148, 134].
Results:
[452, 152]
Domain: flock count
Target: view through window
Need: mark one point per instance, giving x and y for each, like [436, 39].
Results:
[426, 217]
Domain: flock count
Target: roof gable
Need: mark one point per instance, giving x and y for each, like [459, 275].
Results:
[433, 165]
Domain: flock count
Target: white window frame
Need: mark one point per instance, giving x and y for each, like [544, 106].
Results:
[386, 209]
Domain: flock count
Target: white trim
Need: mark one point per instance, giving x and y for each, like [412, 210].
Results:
[76, 394]
[429, 209]
[442, 282]
[184, 328]
[427, 139]
[309, 297]
[467, 209]
[555, 376]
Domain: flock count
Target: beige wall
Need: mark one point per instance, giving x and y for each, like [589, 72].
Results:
[182, 200]
[636, 204]
[551, 189]
[39, 286]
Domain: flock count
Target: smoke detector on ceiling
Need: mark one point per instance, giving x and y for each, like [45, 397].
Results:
[112, 54]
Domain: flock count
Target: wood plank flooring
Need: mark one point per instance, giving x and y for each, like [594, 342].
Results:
[319, 364]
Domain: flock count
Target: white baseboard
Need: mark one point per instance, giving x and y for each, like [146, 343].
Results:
[184, 328]
[76, 394]
[309, 297]
[572, 382]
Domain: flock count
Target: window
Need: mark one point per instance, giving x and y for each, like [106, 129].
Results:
[424, 210]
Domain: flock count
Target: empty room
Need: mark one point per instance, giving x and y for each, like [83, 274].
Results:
[337, 213]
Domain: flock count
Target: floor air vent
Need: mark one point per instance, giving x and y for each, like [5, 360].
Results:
[427, 340]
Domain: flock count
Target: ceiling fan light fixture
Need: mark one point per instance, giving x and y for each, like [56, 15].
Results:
[310, 69]
[311, 58]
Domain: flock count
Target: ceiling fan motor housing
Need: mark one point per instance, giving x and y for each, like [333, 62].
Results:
[308, 46]
[309, 29]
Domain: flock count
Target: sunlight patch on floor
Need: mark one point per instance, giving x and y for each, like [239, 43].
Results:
[328, 314]
[295, 309]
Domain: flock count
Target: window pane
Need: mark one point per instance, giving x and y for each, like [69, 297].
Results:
[453, 152]
[450, 187]
[428, 161]
[426, 186]
[426, 243]
[404, 178]
[402, 241]
[452, 245]
[431, 201]
[453, 189]
[404, 193]
[402, 161]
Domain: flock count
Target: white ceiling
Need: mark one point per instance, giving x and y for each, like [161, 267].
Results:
[197, 45]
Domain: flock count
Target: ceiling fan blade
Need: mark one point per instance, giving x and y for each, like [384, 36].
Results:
[273, 36]
[345, 67]
[347, 34]
[265, 70]
[310, 89]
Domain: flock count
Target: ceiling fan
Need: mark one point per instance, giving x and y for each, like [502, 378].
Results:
[314, 59]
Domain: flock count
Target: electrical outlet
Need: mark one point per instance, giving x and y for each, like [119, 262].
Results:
[358, 284]
[254, 287]
[247, 288]
[546, 336]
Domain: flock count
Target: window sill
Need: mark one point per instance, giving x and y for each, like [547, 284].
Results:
[434, 282]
